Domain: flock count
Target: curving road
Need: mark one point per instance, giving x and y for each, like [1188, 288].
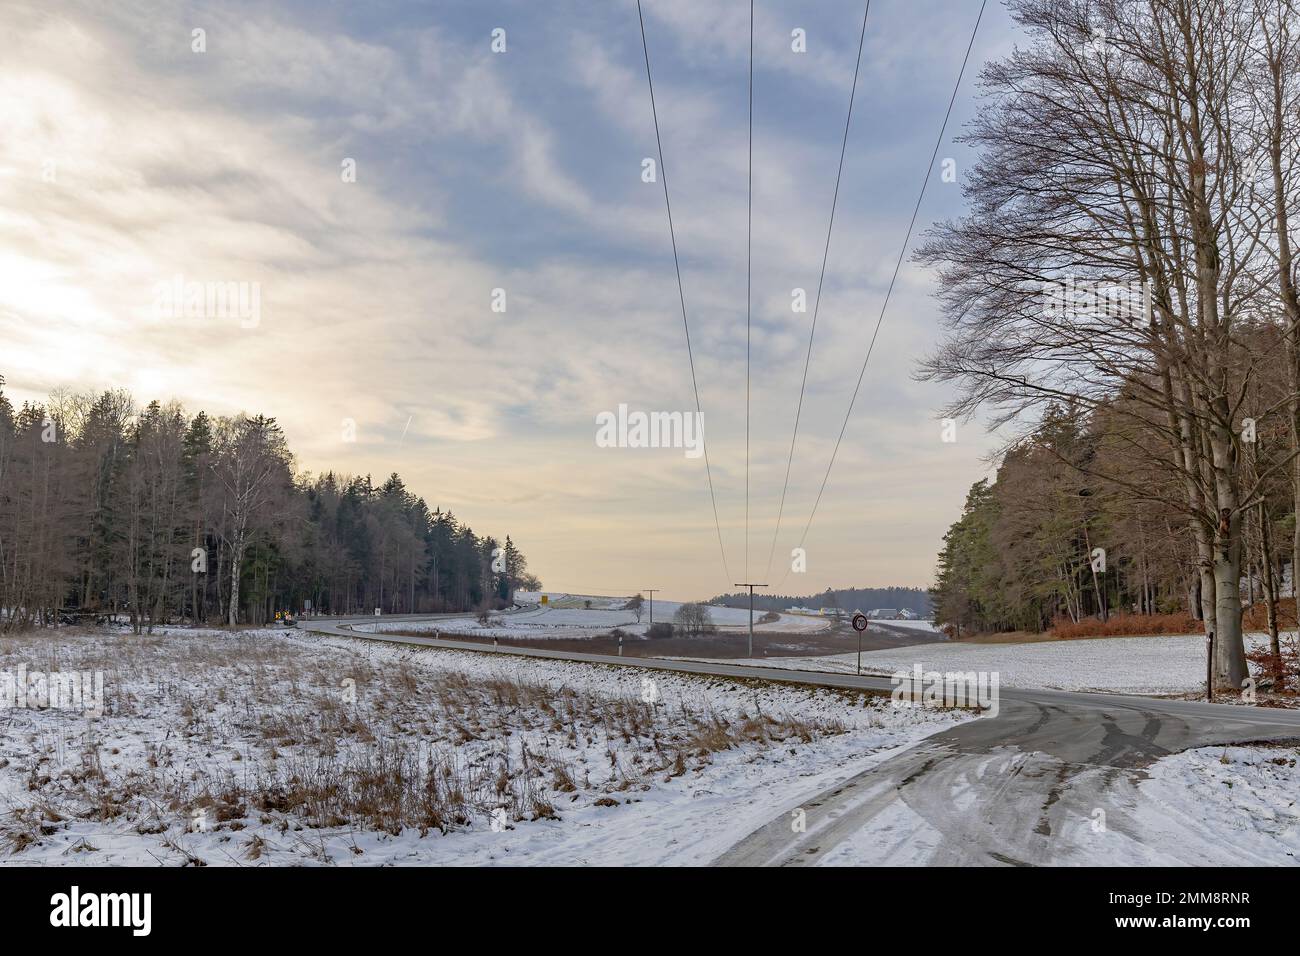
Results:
[1020, 789]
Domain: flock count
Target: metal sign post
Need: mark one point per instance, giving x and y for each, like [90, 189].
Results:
[859, 625]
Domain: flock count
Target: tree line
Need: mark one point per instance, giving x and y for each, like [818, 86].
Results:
[847, 599]
[159, 515]
[1121, 295]
[1047, 541]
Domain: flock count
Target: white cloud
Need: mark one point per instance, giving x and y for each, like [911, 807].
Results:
[224, 166]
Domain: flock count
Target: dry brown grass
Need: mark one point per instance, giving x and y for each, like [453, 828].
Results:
[243, 731]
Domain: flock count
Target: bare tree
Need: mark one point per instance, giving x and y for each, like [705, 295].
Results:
[693, 619]
[1106, 255]
[251, 465]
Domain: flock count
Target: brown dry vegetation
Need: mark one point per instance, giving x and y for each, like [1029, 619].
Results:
[1126, 625]
[1254, 618]
[245, 730]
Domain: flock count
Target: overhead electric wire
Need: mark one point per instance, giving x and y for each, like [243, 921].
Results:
[749, 274]
[681, 293]
[897, 267]
[812, 331]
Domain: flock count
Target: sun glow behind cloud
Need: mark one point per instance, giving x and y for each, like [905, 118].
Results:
[127, 160]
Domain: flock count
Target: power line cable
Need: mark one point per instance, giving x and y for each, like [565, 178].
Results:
[894, 278]
[681, 293]
[812, 331]
[749, 275]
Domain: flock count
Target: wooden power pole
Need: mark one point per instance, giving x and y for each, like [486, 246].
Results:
[751, 611]
[651, 592]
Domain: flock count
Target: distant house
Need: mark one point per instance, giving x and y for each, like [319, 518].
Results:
[884, 614]
[907, 614]
[831, 612]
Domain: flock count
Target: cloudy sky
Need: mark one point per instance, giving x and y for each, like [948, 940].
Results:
[129, 159]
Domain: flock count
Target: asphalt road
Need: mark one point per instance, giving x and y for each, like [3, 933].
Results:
[1019, 789]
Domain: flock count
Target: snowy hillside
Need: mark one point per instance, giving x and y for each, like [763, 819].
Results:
[567, 616]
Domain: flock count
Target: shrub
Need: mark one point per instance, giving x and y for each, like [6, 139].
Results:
[659, 630]
[1283, 674]
[1126, 625]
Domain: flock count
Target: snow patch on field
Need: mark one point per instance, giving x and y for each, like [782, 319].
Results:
[246, 748]
[539, 622]
[1125, 665]
[925, 627]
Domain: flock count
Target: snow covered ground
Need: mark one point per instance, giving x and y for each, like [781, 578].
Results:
[925, 627]
[567, 616]
[1242, 798]
[273, 747]
[1126, 665]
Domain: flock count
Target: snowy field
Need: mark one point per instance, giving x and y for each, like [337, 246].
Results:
[1126, 665]
[567, 616]
[273, 747]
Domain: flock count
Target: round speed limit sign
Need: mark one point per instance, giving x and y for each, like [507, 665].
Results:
[859, 622]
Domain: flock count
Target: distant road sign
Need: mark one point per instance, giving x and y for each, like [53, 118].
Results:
[859, 622]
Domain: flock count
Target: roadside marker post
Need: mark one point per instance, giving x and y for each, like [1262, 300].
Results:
[1209, 666]
[859, 625]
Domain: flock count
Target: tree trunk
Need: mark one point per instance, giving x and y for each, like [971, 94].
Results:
[1229, 648]
[236, 559]
[1270, 595]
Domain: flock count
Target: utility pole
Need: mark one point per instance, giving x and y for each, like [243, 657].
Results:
[651, 592]
[751, 611]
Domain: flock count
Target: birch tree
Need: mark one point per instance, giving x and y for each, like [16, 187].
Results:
[251, 466]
